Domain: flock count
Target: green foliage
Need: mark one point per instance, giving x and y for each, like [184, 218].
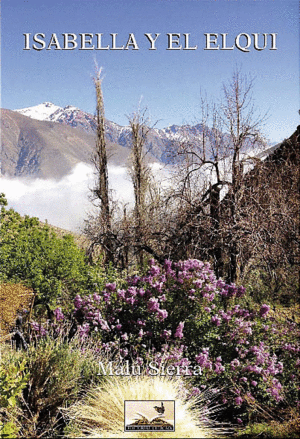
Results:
[12, 382]
[30, 252]
[8, 430]
[13, 379]
[3, 200]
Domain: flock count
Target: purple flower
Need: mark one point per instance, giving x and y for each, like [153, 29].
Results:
[130, 300]
[153, 304]
[238, 400]
[35, 326]
[96, 297]
[216, 320]
[141, 292]
[179, 330]
[195, 391]
[139, 361]
[121, 294]
[58, 314]
[240, 291]
[166, 334]
[198, 283]
[84, 330]
[123, 352]
[78, 302]
[106, 297]
[162, 314]
[111, 286]
[234, 363]
[264, 310]
[104, 325]
[154, 270]
[220, 283]
[202, 359]
[219, 368]
[132, 291]
[133, 280]
[41, 331]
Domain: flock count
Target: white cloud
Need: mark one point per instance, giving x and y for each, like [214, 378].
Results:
[64, 203]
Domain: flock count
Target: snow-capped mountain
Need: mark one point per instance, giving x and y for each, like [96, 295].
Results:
[66, 128]
[75, 117]
[161, 141]
[68, 115]
[42, 111]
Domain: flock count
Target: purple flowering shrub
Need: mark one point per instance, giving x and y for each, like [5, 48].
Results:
[180, 314]
[152, 310]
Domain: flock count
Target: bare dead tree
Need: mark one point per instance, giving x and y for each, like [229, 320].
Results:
[212, 164]
[101, 190]
[244, 127]
[201, 176]
[140, 175]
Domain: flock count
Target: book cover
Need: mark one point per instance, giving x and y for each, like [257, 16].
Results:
[163, 136]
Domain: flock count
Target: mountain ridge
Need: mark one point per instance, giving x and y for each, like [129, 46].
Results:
[47, 141]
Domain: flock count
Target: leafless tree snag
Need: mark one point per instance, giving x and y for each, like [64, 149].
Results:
[140, 175]
[101, 191]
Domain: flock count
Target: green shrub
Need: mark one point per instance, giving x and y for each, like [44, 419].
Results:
[31, 253]
[13, 380]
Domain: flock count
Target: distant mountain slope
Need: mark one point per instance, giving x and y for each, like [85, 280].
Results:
[47, 141]
[160, 141]
[44, 149]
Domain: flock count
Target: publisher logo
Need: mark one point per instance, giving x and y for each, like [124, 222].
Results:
[149, 415]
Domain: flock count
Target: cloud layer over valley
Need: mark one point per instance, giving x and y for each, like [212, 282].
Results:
[64, 203]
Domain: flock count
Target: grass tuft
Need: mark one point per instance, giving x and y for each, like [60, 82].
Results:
[101, 414]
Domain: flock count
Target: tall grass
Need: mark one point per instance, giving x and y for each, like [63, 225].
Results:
[101, 414]
[58, 374]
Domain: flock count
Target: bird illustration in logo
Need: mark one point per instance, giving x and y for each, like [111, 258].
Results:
[161, 409]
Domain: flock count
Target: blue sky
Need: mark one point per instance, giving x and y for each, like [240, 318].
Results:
[169, 81]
